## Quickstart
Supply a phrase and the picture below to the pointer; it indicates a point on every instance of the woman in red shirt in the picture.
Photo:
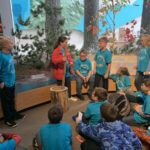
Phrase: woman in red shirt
(60, 56)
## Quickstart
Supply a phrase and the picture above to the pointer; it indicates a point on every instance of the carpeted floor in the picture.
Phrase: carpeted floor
(37, 116)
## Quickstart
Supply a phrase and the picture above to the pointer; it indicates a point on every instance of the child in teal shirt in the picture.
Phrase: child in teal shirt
(55, 135)
(102, 64)
(83, 70)
(92, 112)
(141, 113)
(122, 79)
(143, 61)
(7, 83)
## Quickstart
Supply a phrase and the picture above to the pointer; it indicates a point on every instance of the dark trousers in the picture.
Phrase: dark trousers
(100, 81)
(139, 80)
(7, 96)
(67, 84)
(89, 145)
(80, 83)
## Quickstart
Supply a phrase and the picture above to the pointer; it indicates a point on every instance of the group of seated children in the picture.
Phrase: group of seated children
(103, 125)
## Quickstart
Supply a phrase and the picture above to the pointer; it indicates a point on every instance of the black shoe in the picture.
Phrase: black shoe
(11, 124)
(81, 97)
(19, 116)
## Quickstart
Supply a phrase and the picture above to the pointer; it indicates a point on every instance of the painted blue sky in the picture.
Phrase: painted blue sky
(127, 14)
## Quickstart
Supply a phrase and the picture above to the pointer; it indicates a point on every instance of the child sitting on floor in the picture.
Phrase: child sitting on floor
(122, 79)
(92, 113)
(110, 134)
(141, 114)
(8, 141)
(55, 135)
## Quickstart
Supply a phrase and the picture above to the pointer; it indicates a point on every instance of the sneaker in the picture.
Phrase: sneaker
(11, 124)
(19, 116)
(73, 99)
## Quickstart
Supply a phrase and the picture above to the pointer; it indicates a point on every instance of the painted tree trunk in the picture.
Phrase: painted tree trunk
(53, 15)
(91, 8)
(145, 25)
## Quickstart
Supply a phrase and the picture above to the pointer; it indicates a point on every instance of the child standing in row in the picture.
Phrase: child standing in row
(143, 61)
(102, 64)
(7, 83)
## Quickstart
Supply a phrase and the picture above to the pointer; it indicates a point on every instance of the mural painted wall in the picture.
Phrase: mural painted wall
(20, 8)
(73, 12)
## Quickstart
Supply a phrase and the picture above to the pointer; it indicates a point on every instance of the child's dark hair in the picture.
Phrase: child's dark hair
(124, 71)
(109, 112)
(83, 51)
(61, 39)
(147, 82)
(101, 93)
(103, 39)
(55, 113)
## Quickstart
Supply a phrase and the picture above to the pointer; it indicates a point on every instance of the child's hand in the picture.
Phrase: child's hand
(138, 109)
(80, 139)
(93, 71)
(71, 71)
(122, 92)
(106, 76)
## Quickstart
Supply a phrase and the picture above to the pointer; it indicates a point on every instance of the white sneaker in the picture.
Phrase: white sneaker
(73, 99)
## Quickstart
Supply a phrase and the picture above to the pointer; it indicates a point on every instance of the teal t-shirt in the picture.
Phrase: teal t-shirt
(56, 136)
(7, 69)
(145, 109)
(93, 112)
(8, 145)
(84, 67)
(143, 59)
(122, 82)
(102, 59)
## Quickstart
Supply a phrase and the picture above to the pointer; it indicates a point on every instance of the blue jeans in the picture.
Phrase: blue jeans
(80, 82)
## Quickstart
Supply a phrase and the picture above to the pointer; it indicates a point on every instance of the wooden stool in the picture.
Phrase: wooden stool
(59, 94)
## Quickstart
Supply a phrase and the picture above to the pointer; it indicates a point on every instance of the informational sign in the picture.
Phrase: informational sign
(129, 61)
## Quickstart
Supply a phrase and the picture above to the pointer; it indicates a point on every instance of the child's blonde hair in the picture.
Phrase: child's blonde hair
(146, 39)
(4, 40)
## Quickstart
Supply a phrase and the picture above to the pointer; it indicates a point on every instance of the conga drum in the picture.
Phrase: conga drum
(59, 94)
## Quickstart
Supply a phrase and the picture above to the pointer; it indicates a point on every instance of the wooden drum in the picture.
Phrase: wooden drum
(59, 94)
